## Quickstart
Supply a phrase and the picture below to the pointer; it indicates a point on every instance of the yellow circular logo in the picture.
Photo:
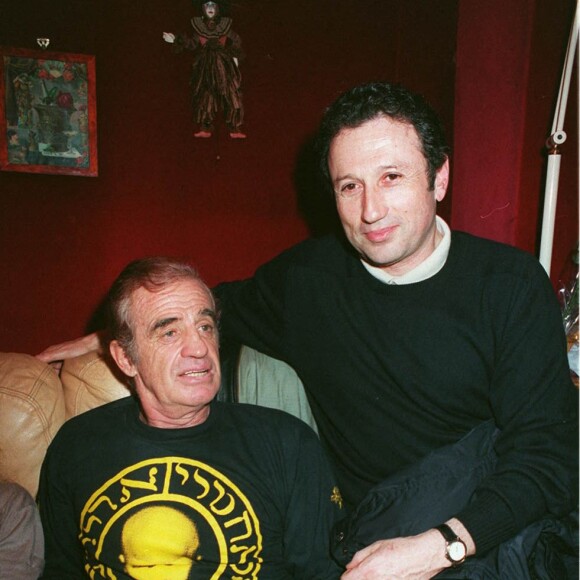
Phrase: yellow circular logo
(162, 517)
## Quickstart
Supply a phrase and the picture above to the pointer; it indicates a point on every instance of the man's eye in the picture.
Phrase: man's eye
(207, 328)
(391, 177)
(348, 189)
(169, 333)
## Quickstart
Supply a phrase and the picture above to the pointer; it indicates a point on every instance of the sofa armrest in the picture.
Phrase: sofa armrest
(91, 380)
(31, 412)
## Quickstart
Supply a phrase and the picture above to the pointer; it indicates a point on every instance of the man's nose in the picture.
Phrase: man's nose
(373, 205)
(194, 345)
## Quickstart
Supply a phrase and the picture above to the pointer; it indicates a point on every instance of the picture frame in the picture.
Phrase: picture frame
(48, 112)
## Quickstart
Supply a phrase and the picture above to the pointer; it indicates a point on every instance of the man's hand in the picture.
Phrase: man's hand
(57, 353)
(412, 558)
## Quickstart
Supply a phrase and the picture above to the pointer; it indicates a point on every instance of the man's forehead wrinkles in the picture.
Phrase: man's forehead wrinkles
(175, 301)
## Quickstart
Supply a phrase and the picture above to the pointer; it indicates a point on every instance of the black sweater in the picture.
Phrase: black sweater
(393, 372)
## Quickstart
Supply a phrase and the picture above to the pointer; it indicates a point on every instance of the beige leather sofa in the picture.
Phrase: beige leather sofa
(35, 401)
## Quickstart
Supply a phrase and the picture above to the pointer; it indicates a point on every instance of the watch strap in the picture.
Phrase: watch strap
(447, 533)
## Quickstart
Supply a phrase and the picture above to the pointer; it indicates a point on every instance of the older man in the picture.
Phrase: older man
(171, 484)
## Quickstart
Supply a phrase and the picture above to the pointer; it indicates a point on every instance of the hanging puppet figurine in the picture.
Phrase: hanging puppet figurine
(215, 74)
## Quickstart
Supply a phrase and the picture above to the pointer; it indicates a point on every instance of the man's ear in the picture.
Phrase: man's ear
(442, 181)
(123, 361)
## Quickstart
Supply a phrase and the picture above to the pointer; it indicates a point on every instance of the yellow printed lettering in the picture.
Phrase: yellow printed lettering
(203, 482)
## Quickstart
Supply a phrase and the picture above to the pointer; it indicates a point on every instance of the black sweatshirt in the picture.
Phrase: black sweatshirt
(393, 372)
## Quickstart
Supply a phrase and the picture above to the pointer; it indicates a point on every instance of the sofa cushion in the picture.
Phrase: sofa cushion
(31, 412)
(90, 380)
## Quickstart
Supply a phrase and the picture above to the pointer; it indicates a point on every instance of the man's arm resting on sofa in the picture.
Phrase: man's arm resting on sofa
(56, 353)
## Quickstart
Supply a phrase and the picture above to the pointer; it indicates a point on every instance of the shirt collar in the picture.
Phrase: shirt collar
(425, 269)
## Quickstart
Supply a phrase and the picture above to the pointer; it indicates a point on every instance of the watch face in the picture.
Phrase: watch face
(456, 551)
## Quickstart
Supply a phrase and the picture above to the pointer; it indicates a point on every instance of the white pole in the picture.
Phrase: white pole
(557, 137)
(549, 216)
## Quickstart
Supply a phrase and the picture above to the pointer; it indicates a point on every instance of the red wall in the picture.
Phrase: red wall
(225, 205)
(504, 108)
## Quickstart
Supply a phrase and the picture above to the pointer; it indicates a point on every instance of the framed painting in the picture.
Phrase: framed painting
(48, 112)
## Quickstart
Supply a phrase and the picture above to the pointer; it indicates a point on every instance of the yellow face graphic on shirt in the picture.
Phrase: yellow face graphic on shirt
(158, 543)
(162, 517)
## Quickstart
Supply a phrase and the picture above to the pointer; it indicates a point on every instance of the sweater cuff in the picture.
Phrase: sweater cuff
(489, 521)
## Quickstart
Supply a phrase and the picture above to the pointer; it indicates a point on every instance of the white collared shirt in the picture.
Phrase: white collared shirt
(426, 268)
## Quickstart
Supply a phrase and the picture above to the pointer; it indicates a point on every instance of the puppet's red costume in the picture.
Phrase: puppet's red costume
(215, 77)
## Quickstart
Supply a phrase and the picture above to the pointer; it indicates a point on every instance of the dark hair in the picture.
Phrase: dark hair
(153, 274)
(366, 102)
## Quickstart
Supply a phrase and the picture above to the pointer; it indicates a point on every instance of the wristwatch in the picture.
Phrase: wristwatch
(455, 549)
